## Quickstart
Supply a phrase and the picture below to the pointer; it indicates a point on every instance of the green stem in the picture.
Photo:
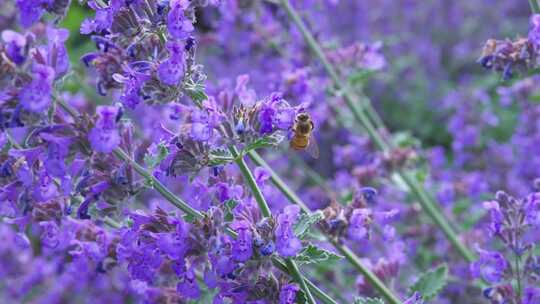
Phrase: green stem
(368, 275)
(252, 184)
(266, 212)
(297, 275)
(517, 261)
(321, 295)
(158, 186)
(347, 253)
(429, 205)
(112, 223)
(535, 7)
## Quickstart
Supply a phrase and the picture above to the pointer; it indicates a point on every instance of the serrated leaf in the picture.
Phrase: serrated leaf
(219, 157)
(152, 160)
(364, 300)
(313, 254)
(197, 93)
(263, 142)
(302, 226)
(431, 282)
(229, 206)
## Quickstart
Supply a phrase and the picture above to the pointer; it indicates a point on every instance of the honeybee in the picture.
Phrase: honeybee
(302, 138)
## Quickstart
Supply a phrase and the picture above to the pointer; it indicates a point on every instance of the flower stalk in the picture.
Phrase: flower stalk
(265, 210)
(535, 7)
(343, 249)
(425, 200)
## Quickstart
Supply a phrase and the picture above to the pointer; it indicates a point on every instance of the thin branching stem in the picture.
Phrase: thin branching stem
(266, 212)
(428, 204)
(343, 249)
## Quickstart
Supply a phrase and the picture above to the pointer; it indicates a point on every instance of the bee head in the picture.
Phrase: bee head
(302, 117)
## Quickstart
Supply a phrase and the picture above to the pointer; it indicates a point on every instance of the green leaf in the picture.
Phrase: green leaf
(219, 157)
(263, 142)
(189, 218)
(302, 226)
(360, 77)
(313, 254)
(197, 93)
(152, 160)
(405, 139)
(364, 300)
(300, 297)
(229, 206)
(431, 282)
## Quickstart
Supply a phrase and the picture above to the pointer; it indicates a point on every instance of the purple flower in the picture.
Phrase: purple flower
(49, 235)
(416, 298)
(188, 287)
(104, 137)
(57, 152)
(171, 70)
(242, 249)
(261, 175)
(287, 244)
(497, 217)
(246, 96)
(36, 95)
(201, 127)
(534, 32)
(178, 24)
(490, 266)
(15, 46)
(175, 245)
(45, 188)
(266, 119)
(58, 56)
(30, 11)
(359, 224)
(287, 294)
(103, 19)
(284, 118)
(531, 295)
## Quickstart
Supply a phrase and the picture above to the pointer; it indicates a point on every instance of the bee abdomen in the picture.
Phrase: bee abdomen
(299, 142)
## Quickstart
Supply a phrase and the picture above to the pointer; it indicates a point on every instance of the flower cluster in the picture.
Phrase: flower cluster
(164, 253)
(506, 56)
(355, 220)
(231, 118)
(145, 49)
(513, 271)
(31, 11)
(30, 64)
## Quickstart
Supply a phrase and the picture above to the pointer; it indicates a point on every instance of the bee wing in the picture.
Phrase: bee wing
(312, 147)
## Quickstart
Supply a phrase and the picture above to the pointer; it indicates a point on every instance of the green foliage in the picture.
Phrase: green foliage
(431, 282)
(314, 255)
(302, 226)
(367, 301)
(360, 77)
(153, 160)
(197, 93)
(263, 142)
(405, 139)
(229, 206)
(219, 157)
